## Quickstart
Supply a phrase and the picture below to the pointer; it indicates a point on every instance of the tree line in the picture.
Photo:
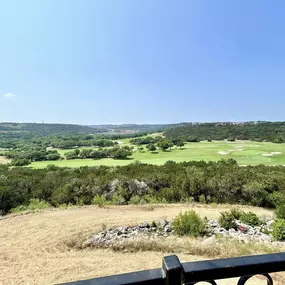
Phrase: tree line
(116, 152)
(256, 131)
(208, 182)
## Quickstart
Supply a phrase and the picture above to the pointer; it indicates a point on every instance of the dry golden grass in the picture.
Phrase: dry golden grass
(40, 248)
(4, 160)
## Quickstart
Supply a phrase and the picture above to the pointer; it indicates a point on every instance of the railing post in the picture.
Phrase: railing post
(172, 269)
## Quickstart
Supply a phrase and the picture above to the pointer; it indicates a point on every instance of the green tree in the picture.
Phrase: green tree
(151, 147)
(164, 145)
(180, 143)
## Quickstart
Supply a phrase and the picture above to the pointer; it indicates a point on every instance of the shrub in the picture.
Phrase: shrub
(202, 199)
(226, 220)
(250, 219)
(135, 200)
(280, 211)
(118, 199)
(18, 209)
(35, 204)
(236, 213)
(189, 223)
(279, 229)
(99, 200)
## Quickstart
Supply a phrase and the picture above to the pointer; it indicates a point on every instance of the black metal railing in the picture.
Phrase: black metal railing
(175, 273)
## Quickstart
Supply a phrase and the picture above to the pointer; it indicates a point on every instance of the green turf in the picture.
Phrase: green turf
(251, 154)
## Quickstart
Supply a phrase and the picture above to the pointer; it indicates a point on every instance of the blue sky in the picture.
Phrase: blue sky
(142, 61)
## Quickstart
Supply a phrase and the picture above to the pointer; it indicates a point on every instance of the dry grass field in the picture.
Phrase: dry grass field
(36, 248)
(4, 160)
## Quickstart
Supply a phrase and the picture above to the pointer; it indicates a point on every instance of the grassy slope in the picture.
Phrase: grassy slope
(34, 247)
(250, 154)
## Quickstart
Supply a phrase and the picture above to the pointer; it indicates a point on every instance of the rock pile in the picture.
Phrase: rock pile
(239, 231)
(242, 231)
(161, 228)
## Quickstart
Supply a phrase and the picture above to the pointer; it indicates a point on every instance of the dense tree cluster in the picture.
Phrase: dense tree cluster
(161, 142)
(219, 182)
(256, 131)
(26, 155)
(115, 152)
(143, 140)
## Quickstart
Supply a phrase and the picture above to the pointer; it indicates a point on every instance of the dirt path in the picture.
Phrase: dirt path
(33, 247)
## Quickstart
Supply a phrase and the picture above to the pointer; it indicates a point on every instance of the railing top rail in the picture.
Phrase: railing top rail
(173, 272)
(147, 277)
(233, 267)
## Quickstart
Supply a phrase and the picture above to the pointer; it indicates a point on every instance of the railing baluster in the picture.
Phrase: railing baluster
(172, 269)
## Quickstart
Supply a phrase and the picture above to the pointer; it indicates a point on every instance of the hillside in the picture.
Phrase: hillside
(39, 246)
(257, 131)
(46, 129)
(134, 128)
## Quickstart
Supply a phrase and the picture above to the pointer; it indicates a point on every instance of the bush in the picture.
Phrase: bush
(236, 213)
(118, 199)
(250, 219)
(226, 220)
(136, 200)
(280, 211)
(35, 204)
(279, 229)
(202, 199)
(189, 223)
(99, 200)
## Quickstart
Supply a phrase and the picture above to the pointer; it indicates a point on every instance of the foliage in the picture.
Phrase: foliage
(151, 147)
(280, 211)
(136, 200)
(250, 219)
(279, 229)
(20, 161)
(189, 223)
(226, 220)
(236, 213)
(99, 200)
(115, 152)
(220, 182)
(202, 199)
(164, 144)
(256, 131)
(35, 204)
(118, 199)
(278, 200)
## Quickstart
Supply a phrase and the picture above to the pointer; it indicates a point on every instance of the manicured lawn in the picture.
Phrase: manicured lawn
(246, 153)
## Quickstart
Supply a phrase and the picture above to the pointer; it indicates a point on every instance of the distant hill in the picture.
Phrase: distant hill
(258, 131)
(41, 129)
(47, 129)
(133, 128)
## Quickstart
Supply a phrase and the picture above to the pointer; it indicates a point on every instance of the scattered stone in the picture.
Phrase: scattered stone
(210, 240)
(163, 228)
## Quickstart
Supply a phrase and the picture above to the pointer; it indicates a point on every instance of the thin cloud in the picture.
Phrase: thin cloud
(9, 95)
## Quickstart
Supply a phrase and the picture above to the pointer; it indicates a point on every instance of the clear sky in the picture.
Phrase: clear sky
(142, 61)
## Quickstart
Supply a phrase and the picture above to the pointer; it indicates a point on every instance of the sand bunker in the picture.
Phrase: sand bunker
(223, 152)
(271, 153)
